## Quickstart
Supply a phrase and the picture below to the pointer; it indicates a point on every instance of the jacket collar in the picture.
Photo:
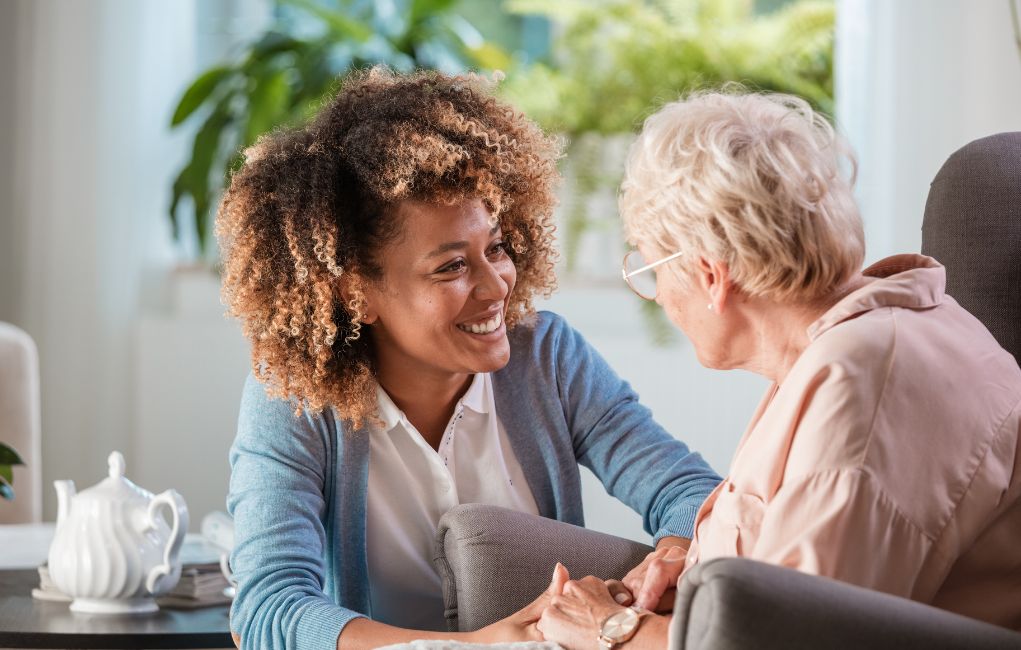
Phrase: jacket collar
(909, 281)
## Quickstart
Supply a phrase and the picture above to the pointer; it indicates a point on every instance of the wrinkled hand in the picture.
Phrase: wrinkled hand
(575, 618)
(521, 625)
(653, 583)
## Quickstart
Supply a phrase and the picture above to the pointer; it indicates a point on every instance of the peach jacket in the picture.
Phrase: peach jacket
(889, 457)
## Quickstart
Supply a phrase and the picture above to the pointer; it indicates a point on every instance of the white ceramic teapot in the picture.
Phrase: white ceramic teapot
(113, 551)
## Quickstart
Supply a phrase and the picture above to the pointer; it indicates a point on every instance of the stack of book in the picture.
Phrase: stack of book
(201, 585)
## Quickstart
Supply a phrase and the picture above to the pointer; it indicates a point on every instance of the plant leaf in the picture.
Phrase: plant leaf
(7, 473)
(335, 21)
(193, 180)
(198, 92)
(490, 56)
(267, 104)
(8, 456)
(421, 9)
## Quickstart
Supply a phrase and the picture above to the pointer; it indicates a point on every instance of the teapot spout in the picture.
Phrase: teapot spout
(65, 490)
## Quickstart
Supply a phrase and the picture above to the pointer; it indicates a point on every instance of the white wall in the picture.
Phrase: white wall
(916, 80)
(84, 252)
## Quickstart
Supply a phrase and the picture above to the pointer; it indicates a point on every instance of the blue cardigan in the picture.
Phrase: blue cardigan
(298, 484)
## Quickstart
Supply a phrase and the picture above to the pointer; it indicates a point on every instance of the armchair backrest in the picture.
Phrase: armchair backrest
(972, 226)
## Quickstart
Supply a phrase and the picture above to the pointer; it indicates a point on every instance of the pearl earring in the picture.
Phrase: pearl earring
(709, 306)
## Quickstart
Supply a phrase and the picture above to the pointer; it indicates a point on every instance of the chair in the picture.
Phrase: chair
(19, 423)
(972, 224)
(494, 561)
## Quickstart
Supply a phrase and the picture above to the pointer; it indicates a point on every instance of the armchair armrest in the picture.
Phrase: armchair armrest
(494, 561)
(739, 603)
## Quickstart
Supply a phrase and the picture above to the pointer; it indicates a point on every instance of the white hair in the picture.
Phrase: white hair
(753, 180)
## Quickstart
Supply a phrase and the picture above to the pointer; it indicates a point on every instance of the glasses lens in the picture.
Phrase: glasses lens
(644, 282)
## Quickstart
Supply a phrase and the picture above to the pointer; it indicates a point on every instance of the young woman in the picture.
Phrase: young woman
(383, 260)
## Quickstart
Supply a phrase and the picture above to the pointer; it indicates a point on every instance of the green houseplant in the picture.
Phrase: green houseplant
(282, 78)
(8, 459)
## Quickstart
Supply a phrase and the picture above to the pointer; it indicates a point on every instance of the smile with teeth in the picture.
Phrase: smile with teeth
(486, 327)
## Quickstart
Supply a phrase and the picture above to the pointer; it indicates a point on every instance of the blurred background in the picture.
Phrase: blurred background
(120, 120)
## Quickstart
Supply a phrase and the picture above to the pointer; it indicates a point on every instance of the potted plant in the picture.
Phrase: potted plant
(282, 77)
(8, 459)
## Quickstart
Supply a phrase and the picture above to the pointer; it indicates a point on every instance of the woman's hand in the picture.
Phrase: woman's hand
(653, 582)
(520, 626)
(574, 619)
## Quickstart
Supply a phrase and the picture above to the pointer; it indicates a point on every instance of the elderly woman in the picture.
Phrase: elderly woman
(886, 452)
(383, 260)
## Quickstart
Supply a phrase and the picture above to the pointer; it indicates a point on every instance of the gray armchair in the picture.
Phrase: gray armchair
(494, 562)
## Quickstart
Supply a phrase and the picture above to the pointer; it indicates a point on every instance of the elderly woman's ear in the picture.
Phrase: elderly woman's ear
(713, 276)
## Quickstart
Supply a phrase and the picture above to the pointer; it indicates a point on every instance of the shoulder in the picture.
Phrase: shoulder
(266, 422)
(859, 346)
(537, 329)
(833, 393)
(538, 340)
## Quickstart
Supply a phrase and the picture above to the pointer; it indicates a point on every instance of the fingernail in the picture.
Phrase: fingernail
(621, 598)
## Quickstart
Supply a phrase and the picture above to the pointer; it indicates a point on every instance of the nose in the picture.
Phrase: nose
(489, 282)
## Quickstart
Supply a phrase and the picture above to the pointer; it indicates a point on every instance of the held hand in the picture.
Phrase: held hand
(653, 582)
(520, 626)
(574, 619)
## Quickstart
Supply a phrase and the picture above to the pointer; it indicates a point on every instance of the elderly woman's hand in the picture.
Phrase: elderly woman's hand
(574, 619)
(653, 582)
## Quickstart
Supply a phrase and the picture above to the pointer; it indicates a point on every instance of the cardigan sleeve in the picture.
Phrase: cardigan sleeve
(278, 472)
(615, 436)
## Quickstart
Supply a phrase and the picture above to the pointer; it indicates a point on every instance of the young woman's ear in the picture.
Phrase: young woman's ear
(714, 278)
(344, 291)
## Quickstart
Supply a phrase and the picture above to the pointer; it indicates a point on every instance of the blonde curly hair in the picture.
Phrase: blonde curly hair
(315, 204)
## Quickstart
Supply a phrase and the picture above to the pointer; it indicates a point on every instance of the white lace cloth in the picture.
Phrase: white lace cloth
(453, 645)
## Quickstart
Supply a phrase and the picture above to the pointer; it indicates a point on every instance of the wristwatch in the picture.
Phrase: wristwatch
(620, 626)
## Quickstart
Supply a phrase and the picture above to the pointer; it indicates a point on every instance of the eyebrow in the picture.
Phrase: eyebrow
(455, 245)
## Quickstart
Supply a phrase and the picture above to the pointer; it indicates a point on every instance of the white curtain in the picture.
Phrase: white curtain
(90, 91)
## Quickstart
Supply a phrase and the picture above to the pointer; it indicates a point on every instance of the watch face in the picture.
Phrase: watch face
(621, 625)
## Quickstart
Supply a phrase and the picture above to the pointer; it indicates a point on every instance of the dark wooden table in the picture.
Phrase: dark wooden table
(29, 623)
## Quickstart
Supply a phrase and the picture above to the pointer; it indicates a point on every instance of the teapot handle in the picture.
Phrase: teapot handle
(179, 528)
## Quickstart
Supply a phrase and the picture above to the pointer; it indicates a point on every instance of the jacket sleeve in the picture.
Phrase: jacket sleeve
(615, 436)
(837, 523)
(278, 472)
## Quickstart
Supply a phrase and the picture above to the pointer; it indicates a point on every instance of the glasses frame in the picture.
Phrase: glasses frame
(648, 267)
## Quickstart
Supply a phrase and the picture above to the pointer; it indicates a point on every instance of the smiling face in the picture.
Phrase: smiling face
(437, 312)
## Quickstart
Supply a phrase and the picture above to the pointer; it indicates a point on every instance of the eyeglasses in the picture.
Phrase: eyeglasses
(633, 268)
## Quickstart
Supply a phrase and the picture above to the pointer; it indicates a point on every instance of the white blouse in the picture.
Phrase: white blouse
(411, 485)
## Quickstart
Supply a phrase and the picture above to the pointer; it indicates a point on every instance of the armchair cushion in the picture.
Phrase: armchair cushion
(740, 603)
(494, 561)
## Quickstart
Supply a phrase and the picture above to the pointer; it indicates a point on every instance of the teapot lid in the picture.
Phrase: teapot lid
(115, 487)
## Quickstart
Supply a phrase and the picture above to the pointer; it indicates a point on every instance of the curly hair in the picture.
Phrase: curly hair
(315, 204)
